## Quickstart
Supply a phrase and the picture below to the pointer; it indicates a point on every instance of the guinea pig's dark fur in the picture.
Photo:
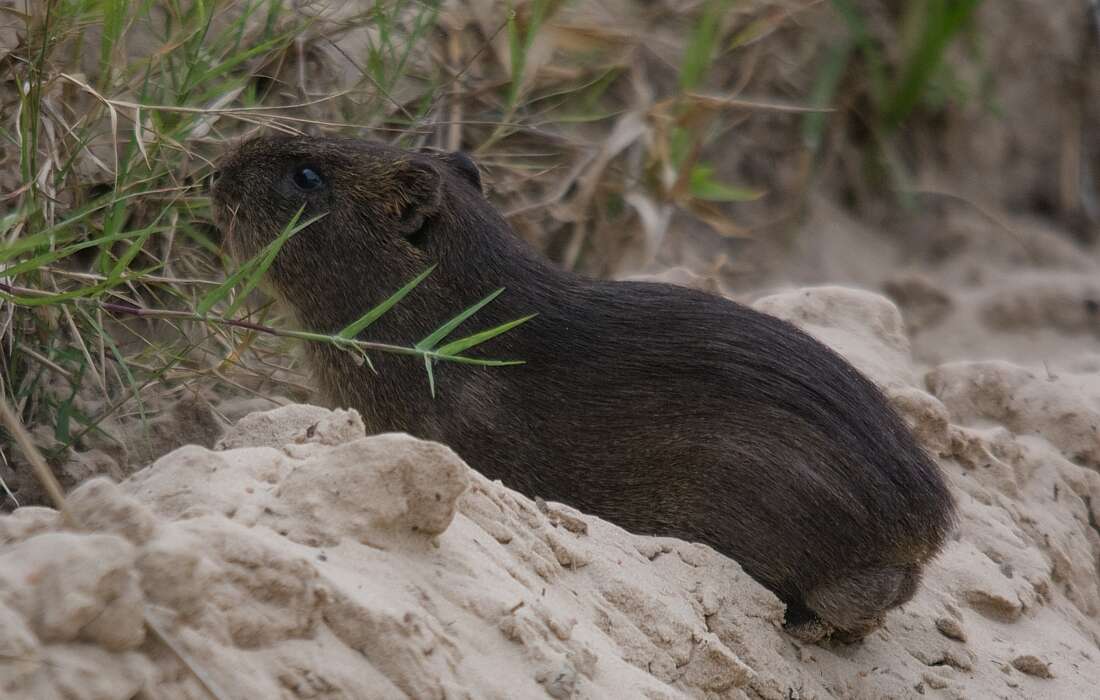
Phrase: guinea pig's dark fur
(662, 409)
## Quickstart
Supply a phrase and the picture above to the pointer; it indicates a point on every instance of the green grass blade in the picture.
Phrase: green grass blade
(431, 375)
(857, 29)
(7, 222)
(131, 381)
(268, 257)
(209, 75)
(478, 338)
(374, 314)
(463, 360)
(252, 270)
(518, 55)
(114, 20)
(942, 22)
(65, 411)
(49, 234)
(704, 186)
(700, 49)
(824, 90)
(221, 291)
(443, 331)
(49, 299)
(55, 255)
(123, 264)
(519, 45)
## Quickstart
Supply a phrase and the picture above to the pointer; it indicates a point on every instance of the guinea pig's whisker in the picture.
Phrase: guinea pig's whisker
(234, 210)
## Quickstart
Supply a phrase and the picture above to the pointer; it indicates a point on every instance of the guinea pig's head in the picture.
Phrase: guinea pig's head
(375, 201)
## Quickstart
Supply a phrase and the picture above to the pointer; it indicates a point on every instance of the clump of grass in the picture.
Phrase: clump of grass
(692, 182)
(109, 146)
(892, 90)
(635, 117)
(111, 275)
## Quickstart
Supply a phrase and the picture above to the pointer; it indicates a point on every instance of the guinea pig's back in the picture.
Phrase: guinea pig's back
(743, 422)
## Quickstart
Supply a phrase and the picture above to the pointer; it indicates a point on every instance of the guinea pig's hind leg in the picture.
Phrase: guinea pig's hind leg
(856, 605)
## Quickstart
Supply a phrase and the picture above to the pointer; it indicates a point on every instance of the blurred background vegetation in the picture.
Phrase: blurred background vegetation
(620, 137)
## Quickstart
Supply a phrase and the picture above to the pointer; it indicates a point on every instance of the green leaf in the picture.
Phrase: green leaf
(431, 376)
(705, 187)
(443, 331)
(478, 338)
(374, 314)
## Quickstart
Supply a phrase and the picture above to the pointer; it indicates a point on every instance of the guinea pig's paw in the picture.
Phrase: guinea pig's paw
(856, 634)
(806, 626)
(810, 631)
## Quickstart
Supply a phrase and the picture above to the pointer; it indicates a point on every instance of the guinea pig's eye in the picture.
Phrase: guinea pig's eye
(307, 179)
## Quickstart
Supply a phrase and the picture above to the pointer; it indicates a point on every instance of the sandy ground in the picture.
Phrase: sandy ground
(972, 285)
(303, 559)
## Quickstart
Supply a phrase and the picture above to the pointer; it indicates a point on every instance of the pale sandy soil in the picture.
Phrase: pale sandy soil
(302, 559)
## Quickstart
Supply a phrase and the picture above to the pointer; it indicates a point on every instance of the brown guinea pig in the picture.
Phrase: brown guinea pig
(664, 410)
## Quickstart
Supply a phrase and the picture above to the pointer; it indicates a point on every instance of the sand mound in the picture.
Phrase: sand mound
(304, 559)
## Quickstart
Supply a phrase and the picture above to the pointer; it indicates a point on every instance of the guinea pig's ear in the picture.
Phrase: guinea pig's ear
(466, 167)
(417, 194)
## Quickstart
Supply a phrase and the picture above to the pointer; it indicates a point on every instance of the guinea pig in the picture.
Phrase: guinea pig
(665, 410)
